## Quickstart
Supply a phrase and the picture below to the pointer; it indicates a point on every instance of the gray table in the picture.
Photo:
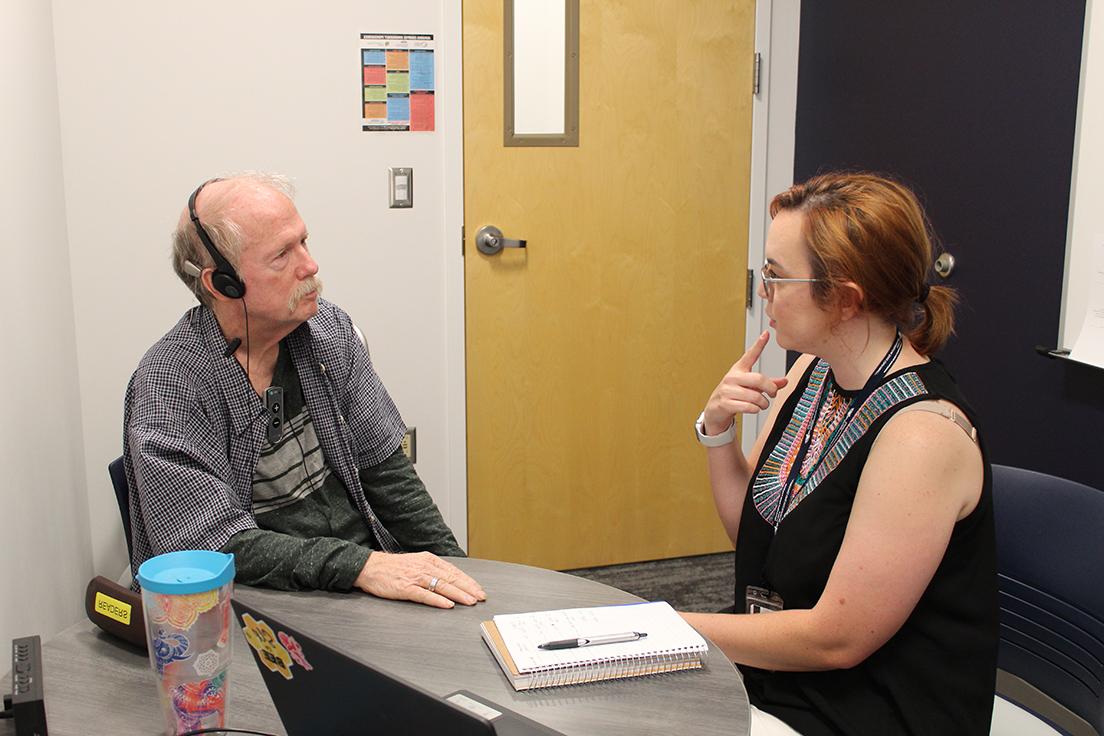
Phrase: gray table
(97, 685)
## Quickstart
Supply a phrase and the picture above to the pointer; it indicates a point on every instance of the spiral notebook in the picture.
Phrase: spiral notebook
(668, 644)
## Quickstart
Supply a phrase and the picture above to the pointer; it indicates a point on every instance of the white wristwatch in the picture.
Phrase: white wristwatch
(715, 440)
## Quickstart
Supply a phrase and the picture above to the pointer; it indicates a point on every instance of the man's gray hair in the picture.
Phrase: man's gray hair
(188, 250)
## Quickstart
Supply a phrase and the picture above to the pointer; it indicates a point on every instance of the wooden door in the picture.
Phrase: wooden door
(590, 352)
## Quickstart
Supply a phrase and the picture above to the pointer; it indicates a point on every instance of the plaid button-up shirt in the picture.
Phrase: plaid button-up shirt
(193, 428)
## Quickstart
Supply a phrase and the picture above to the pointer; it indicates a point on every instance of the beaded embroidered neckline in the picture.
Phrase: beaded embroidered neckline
(829, 441)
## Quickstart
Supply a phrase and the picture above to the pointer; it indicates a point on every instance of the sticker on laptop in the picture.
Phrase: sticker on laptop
(474, 706)
(294, 649)
(272, 653)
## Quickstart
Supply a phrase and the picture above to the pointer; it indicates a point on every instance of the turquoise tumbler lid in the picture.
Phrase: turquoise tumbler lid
(190, 571)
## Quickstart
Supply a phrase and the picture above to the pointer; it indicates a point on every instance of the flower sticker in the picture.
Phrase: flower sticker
(295, 650)
(168, 648)
(207, 664)
(193, 702)
(271, 652)
(181, 611)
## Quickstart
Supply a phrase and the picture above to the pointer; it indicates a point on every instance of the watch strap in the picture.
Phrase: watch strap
(715, 440)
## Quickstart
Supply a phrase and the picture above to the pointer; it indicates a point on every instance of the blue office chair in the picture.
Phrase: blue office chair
(122, 495)
(1050, 562)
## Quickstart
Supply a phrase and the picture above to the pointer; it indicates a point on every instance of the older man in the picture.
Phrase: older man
(257, 425)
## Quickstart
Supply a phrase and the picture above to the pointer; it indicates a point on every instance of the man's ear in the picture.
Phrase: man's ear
(850, 299)
(209, 285)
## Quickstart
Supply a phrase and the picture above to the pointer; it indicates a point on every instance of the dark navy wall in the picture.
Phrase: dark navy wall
(974, 105)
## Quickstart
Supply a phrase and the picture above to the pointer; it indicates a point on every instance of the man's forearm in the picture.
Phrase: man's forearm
(401, 501)
(272, 560)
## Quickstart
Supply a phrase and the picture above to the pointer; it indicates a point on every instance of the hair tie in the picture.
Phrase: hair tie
(924, 291)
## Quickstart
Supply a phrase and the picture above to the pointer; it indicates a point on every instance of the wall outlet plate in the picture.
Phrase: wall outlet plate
(410, 444)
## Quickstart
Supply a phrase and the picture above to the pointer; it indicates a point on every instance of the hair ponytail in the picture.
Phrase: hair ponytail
(871, 230)
(935, 323)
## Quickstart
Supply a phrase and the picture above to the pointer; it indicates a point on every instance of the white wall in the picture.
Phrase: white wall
(156, 97)
(45, 563)
(1086, 224)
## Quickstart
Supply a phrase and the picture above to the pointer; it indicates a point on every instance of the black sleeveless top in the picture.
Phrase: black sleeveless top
(936, 675)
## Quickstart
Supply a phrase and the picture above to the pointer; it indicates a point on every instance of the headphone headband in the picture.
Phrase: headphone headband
(225, 278)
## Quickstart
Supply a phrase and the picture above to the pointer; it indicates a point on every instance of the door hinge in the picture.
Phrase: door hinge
(462, 237)
(750, 288)
(757, 73)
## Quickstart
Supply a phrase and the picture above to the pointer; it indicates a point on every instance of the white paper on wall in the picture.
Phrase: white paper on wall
(1089, 347)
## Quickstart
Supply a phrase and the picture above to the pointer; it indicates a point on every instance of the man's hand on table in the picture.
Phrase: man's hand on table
(421, 577)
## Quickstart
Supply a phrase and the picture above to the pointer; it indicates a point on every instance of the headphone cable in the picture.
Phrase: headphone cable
(303, 456)
(247, 350)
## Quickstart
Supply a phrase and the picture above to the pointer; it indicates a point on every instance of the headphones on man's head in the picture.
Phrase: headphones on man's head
(225, 279)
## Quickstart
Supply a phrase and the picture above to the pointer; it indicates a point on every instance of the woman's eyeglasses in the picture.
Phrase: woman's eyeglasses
(769, 280)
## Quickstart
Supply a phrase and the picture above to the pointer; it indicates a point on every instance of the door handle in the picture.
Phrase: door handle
(489, 241)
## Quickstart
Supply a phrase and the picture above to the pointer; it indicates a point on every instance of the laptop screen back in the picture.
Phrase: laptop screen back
(317, 689)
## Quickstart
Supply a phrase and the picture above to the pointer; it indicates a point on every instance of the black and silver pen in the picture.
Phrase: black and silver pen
(591, 641)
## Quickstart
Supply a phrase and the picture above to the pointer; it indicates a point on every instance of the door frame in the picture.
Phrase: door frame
(773, 115)
(777, 23)
(455, 369)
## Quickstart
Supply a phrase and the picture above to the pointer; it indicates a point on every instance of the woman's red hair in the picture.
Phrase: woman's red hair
(871, 230)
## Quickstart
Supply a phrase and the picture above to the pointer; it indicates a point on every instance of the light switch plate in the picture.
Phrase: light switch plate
(402, 186)
(410, 445)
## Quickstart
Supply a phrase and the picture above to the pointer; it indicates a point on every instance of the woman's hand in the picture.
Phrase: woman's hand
(741, 391)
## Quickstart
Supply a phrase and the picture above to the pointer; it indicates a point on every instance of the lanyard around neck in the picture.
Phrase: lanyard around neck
(855, 404)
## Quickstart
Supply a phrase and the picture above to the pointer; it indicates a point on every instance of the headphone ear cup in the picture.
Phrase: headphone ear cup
(228, 285)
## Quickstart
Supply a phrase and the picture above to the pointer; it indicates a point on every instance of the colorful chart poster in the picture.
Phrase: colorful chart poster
(397, 81)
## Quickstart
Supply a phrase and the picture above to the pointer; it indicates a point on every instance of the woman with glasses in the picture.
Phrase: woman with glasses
(862, 518)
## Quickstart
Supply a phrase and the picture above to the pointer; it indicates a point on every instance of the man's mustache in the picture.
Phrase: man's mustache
(312, 283)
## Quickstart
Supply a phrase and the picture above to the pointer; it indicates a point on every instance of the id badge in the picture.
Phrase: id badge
(761, 600)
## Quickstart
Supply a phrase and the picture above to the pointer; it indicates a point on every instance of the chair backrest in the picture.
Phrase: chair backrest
(122, 495)
(1050, 560)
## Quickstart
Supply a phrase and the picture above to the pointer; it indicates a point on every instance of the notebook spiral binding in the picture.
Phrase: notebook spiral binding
(615, 668)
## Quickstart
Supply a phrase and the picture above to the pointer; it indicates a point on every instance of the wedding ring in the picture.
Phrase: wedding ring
(433, 585)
